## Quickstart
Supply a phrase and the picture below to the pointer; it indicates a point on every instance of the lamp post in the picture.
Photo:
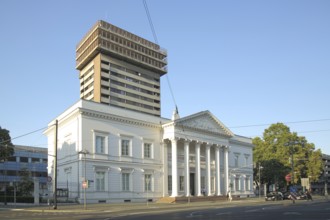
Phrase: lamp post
(15, 188)
(84, 152)
(260, 167)
(290, 144)
(55, 166)
(148, 181)
(325, 180)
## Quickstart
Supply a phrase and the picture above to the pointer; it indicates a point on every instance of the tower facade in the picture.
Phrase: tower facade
(120, 69)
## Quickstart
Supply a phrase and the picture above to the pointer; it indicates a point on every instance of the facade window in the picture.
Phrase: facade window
(99, 144)
(236, 160)
(13, 159)
(147, 182)
(246, 160)
(170, 182)
(100, 181)
(35, 160)
(247, 183)
(181, 183)
(24, 159)
(125, 147)
(237, 188)
(125, 181)
(147, 150)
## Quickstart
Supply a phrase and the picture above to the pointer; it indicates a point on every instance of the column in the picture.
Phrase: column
(36, 190)
(243, 184)
(186, 168)
(174, 168)
(165, 169)
(226, 169)
(217, 171)
(208, 169)
(198, 169)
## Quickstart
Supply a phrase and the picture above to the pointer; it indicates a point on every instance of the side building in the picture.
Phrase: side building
(31, 159)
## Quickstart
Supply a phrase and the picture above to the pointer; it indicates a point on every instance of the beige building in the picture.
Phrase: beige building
(120, 69)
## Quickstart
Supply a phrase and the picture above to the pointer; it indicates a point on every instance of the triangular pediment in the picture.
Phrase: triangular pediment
(204, 121)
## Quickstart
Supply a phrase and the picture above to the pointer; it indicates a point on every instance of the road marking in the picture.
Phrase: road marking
(224, 213)
(291, 213)
(193, 215)
(253, 210)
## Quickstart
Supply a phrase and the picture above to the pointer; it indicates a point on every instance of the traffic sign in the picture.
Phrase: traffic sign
(49, 179)
(293, 189)
(288, 177)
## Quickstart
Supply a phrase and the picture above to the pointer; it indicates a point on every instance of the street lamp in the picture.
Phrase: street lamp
(325, 180)
(260, 167)
(291, 150)
(147, 182)
(84, 152)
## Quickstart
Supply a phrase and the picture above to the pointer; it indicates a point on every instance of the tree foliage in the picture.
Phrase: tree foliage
(273, 151)
(25, 185)
(6, 147)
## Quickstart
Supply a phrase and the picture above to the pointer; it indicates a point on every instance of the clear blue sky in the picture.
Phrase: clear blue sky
(249, 62)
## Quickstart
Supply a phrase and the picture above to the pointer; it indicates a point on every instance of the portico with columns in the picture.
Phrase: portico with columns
(197, 157)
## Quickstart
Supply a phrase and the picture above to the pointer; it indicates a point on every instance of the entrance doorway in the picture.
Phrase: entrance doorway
(192, 184)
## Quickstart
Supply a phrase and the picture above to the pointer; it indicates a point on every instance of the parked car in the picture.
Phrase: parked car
(274, 196)
(296, 196)
(286, 195)
(301, 196)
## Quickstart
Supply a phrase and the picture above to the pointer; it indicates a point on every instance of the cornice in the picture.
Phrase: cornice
(245, 143)
(120, 119)
(201, 130)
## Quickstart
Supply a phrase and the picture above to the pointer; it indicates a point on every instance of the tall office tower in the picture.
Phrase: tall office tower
(121, 69)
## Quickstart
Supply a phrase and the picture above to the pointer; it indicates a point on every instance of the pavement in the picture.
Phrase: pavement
(134, 208)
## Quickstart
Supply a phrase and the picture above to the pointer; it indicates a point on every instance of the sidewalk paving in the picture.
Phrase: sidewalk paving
(118, 208)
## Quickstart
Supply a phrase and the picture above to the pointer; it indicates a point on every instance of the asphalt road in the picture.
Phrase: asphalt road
(300, 211)
(283, 210)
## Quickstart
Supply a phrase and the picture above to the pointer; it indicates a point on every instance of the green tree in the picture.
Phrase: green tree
(276, 149)
(25, 185)
(6, 147)
(271, 171)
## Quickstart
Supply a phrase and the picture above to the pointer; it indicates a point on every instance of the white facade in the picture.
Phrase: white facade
(131, 156)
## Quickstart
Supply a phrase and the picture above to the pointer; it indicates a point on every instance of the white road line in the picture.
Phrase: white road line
(291, 213)
(224, 213)
(193, 215)
(254, 210)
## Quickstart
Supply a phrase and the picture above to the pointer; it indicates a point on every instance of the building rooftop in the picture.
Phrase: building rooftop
(106, 38)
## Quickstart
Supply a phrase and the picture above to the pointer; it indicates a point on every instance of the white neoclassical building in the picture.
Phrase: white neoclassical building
(131, 156)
